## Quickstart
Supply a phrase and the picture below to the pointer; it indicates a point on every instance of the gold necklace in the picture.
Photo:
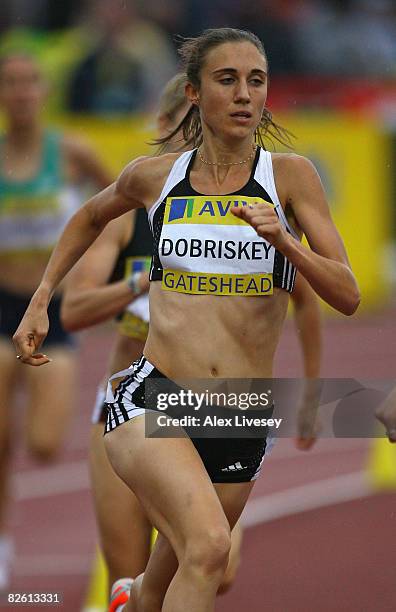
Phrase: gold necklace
(244, 161)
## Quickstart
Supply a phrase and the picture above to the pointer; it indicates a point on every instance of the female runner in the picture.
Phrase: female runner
(216, 309)
(99, 287)
(41, 171)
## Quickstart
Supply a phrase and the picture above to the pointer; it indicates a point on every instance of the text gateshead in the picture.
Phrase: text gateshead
(201, 283)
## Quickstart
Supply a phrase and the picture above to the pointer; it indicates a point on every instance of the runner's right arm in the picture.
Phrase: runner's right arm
(80, 232)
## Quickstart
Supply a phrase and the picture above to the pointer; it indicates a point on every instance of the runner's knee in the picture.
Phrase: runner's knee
(208, 553)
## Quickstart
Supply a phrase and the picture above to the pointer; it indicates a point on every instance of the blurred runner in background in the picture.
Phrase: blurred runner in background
(41, 172)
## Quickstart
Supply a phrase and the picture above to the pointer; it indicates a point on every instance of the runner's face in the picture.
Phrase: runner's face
(22, 90)
(233, 89)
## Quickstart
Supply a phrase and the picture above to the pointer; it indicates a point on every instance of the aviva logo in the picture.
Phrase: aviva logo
(207, 210)
(136, 264)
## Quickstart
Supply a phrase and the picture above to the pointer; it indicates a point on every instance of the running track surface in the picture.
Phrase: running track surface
(317, 538)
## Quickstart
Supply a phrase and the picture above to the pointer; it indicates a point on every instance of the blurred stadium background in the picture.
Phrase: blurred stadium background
(333, 84)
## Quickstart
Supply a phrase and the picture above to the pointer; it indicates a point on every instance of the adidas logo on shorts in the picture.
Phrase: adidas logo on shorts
(234, 467)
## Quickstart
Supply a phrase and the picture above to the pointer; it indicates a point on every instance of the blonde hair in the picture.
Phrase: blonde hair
(173, 97)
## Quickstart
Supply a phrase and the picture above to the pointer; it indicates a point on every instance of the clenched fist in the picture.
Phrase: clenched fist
(263, 218)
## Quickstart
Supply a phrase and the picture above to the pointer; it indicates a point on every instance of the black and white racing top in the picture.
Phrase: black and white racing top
(200, 247)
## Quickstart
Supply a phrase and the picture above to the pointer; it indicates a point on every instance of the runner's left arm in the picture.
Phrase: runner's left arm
(325, 264)
(307, 321)
(308, 325)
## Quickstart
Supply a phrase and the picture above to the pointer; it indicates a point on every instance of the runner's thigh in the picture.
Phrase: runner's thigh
(170, 480)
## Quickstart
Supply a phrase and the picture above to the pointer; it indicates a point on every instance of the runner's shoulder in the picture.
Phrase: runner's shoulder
(292, 165)
(146, 175)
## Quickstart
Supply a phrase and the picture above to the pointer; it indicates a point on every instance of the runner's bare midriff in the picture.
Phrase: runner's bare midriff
(203, 336)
